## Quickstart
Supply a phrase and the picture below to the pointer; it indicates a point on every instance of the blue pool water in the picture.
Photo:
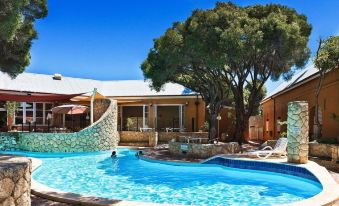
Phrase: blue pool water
(128, 178)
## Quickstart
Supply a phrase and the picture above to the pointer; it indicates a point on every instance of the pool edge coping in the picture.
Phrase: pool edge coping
(328, 196)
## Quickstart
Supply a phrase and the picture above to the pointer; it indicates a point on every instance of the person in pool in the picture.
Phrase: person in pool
(139, 153)
(114, 154)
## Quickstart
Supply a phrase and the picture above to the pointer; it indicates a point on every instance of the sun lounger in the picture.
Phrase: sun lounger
(278, 150)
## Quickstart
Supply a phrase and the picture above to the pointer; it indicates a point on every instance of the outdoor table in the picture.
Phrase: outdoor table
(146, 129)
(170, 129)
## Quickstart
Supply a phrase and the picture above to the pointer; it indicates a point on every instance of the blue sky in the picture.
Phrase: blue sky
(109, 39)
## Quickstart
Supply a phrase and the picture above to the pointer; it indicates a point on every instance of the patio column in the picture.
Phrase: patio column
(92, 105)
(24, 112)
(155, 111)
(297, 132)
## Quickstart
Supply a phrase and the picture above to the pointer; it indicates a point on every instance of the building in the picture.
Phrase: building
(139, 107)
(302, 87)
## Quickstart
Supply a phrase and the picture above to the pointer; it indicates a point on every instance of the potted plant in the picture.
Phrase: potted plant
(204, 127)
(11, 108)
(129, 123)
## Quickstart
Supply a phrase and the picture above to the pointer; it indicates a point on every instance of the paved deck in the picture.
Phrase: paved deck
(336, 178)
(38, 201)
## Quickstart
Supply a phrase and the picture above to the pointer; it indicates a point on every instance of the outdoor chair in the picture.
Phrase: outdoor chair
(278, 150)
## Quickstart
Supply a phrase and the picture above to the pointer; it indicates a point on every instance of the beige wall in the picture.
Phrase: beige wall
(276, 107)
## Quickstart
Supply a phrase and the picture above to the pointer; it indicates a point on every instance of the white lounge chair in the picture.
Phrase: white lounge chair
(278, 150)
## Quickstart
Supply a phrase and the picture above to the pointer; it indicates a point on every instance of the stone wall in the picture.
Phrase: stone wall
(151, 139)
(203, 150)
(8, 141)
(140, 139)
(102, 135)
(324, 150)
(100, 107)
(297, 132)
(165, 137)
(15, 181)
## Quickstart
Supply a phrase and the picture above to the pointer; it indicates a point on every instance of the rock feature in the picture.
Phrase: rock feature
(102, 135)
(297, 132)
(8, 140)
(202, 150)
(15, 181)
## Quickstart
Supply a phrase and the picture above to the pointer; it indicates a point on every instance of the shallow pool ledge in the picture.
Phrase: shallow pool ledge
(46, 192)
(328, 196)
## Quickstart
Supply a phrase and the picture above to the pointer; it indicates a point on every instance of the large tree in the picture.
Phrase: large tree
(257, 43)
(17, 31)
(327, 59)
(173, 60)
(240, 45)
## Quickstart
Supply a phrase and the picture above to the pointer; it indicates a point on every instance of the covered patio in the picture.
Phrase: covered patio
(44, 112)
(149, 117)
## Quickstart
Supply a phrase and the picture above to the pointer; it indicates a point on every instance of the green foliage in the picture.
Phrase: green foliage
(328, 54)
(129, 123)
(327, 59)
(11, 107)
(17, 32)
(283, 134)
(221, 50)
(206, 126)
(335, 117)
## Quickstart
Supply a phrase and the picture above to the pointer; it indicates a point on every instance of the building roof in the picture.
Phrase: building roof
(42, 83)
(297, 80)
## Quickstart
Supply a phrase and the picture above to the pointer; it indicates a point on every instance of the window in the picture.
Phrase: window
(30, 112)
(47, 109)
(19, 114)
(3, 114)
(39, 113)
(33, 112)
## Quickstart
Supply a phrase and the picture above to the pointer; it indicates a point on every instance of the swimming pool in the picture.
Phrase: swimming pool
(129, 178)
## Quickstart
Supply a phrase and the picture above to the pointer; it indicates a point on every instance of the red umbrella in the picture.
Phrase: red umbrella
(70, 109)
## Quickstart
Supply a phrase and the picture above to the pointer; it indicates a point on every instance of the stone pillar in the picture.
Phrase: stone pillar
(15, 181)
(297, 132)
(153, 139)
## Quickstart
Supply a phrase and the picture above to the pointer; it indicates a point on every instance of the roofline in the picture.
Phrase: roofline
(155, 96)
(24, 91)
(308, 79)
(90, 79)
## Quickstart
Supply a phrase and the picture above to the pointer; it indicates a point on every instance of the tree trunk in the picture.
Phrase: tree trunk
(239, 124)
(243, 112)
(318, 133)
(213, 111)
(239, 115)
(212, 116)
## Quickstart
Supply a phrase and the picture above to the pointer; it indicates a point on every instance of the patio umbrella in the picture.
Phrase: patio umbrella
(70, 109)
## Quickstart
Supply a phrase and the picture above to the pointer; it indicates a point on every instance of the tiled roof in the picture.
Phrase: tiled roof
(43, 83)
(296, 79)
